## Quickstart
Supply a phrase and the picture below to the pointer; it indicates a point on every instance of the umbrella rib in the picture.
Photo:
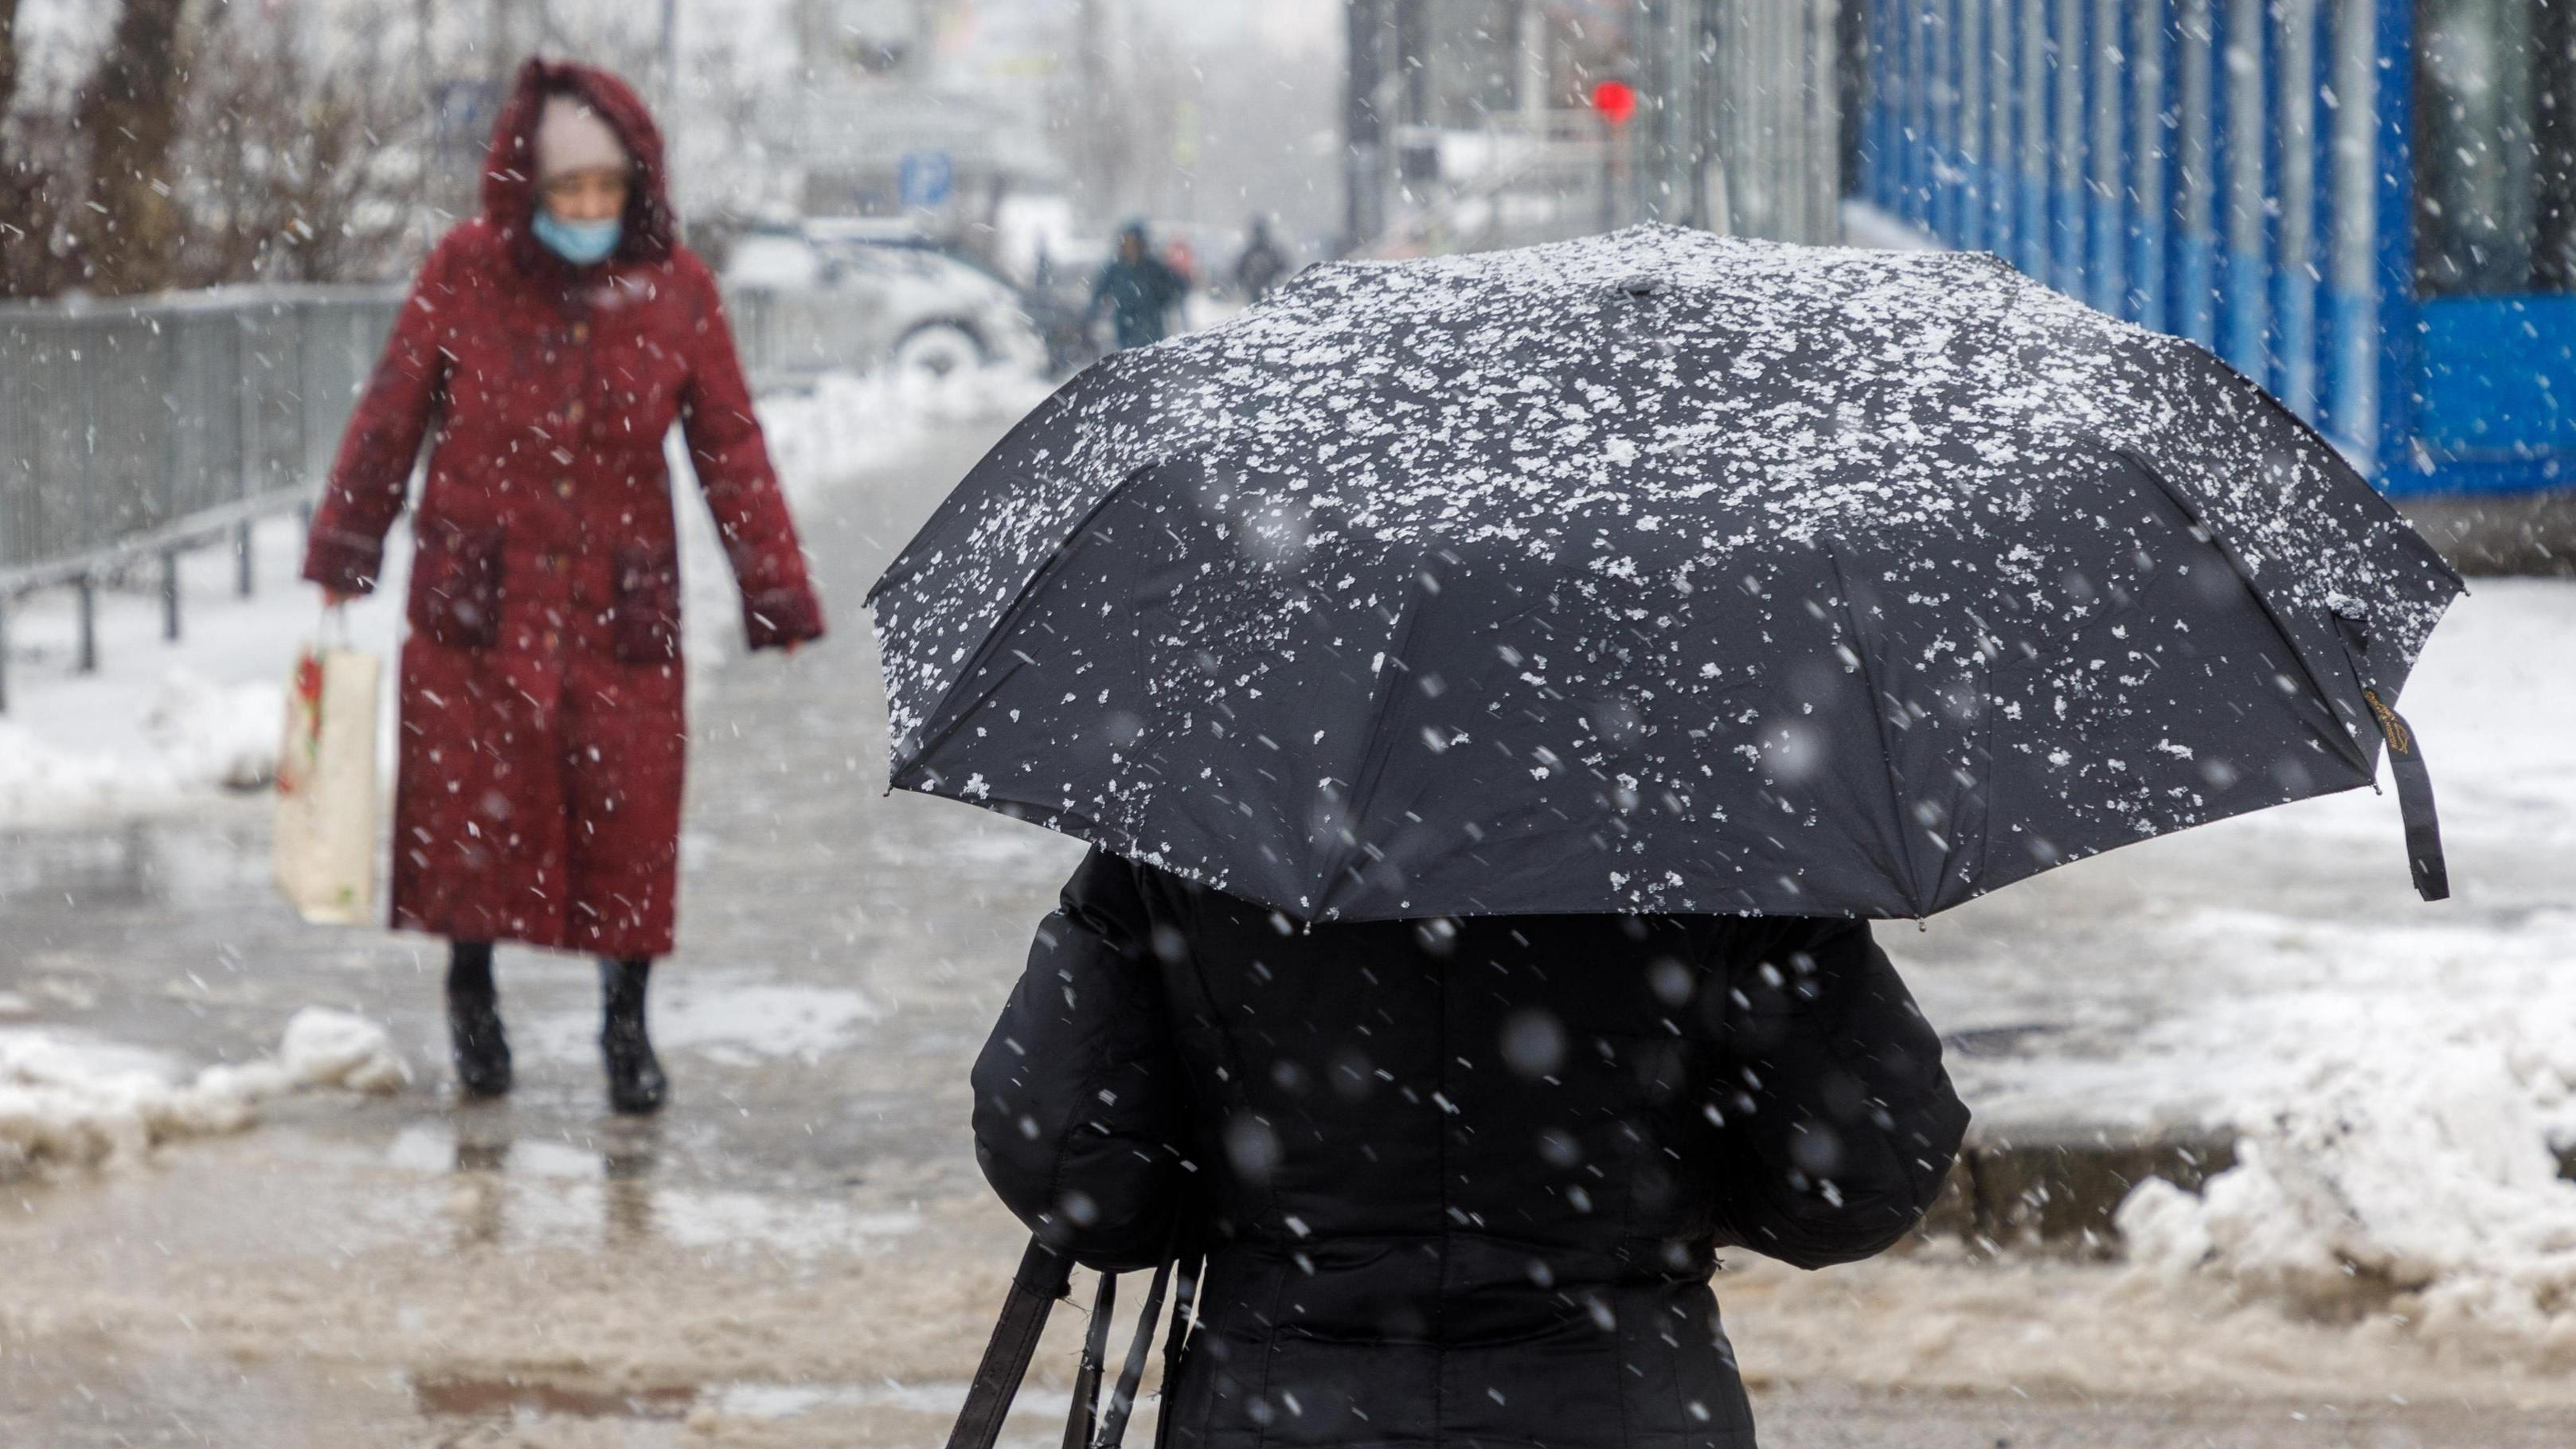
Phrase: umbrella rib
(907, 564)
(1373, 763)
(1878, 720)
(2356, 753)
(932, 740)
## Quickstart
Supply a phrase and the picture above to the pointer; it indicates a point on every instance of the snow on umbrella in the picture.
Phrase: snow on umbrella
(1654, 572)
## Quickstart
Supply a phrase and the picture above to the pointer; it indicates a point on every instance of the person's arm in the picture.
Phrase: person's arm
(344, 550)
(1075, 1092)
(731, 459)
(1845, 1125)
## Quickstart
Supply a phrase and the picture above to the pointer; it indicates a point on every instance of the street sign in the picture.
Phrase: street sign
(924, 179)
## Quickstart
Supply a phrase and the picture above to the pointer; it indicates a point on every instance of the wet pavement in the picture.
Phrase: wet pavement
(798, 1251)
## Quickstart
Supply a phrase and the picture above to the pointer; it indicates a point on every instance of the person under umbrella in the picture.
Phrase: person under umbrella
(1499, 691)
(1489, 1160)
(546, 348)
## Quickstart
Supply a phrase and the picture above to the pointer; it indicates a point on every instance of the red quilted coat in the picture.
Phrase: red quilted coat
(543, 729)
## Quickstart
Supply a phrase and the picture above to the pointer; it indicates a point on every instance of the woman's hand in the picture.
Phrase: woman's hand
(334, 599)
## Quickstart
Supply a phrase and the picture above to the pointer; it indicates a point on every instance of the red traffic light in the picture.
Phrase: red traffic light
(1616, 101)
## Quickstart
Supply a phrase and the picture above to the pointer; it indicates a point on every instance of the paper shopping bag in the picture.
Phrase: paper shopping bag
(326, 788)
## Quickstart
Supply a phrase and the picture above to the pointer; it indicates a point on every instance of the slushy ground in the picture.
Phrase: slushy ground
(799, 1251)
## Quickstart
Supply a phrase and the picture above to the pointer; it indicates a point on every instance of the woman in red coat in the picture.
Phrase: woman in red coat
(545, 351)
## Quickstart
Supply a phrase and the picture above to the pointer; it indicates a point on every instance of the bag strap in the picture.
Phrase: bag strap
(1184, 1308)
(1122, 1400)
(1079, 1424)
(1043, 1277)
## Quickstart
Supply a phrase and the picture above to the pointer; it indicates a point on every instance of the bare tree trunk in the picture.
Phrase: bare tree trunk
(8, 56)
(34, 179)
(129, 115)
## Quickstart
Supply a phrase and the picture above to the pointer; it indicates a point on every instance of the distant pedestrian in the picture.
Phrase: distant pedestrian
(1456, 1181)
(1263, 265)
(546, 349)
(1138, 290)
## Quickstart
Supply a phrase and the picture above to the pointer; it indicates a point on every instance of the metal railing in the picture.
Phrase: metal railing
(132, 431)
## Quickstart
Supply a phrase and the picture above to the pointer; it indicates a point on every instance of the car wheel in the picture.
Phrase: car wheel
(937, 351)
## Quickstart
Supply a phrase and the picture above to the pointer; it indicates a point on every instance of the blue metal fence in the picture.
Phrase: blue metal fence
(2243, 173)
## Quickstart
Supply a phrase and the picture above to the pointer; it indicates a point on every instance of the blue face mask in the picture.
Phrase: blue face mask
(581, 243)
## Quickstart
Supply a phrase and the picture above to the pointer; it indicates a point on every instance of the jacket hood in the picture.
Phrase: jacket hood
(510, 165)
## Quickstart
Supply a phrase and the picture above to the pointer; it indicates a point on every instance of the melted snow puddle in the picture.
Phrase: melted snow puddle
(704, 1405)
(733, 1019)
(525, 1194)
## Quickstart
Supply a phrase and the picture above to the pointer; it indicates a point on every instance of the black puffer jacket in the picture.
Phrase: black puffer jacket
(1460, 1183)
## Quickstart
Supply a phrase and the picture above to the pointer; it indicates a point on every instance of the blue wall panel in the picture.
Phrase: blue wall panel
(2237, 249)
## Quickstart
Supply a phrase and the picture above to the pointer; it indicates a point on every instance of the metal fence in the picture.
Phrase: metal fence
(120, 425)
(131, 431)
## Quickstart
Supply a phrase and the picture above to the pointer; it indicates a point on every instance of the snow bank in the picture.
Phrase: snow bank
(41, 781)
(849, 423)
(69, 1101)
(2399, 1148)
(195, 733)
(213, 734)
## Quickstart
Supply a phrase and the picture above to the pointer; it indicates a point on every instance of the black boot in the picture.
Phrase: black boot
(635, 1081)
(474, 1021)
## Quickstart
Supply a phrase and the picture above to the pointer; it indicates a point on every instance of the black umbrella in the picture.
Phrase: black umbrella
(1655, 572)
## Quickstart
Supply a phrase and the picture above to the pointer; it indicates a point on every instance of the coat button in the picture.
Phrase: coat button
(554, 641)
(581, 332)
(572, 413)
(563, 487)
(552, 563)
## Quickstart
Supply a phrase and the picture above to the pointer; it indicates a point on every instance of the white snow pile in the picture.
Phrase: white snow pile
(65, 1101)
(196, 733)
(848, 422)
(2399, 1152)
(215, 734)
(37, 779)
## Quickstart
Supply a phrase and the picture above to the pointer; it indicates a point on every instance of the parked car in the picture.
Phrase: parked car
(835, 294)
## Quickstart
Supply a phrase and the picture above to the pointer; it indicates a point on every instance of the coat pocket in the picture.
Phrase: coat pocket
(456, 592)
(647, 612)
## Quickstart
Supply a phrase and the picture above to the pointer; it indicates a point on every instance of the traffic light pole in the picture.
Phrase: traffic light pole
(1367, 142)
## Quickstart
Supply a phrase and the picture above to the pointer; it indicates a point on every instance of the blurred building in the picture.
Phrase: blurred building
(1480, 123)
(932, 110)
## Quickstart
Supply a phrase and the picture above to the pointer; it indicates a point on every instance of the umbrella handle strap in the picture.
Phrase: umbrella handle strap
(2414, 800)
(2405, 762)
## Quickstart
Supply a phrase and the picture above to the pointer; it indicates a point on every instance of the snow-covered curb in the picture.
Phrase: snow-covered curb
(67, 1102)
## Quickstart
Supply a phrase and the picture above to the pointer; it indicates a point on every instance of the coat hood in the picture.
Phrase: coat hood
(510, 165)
